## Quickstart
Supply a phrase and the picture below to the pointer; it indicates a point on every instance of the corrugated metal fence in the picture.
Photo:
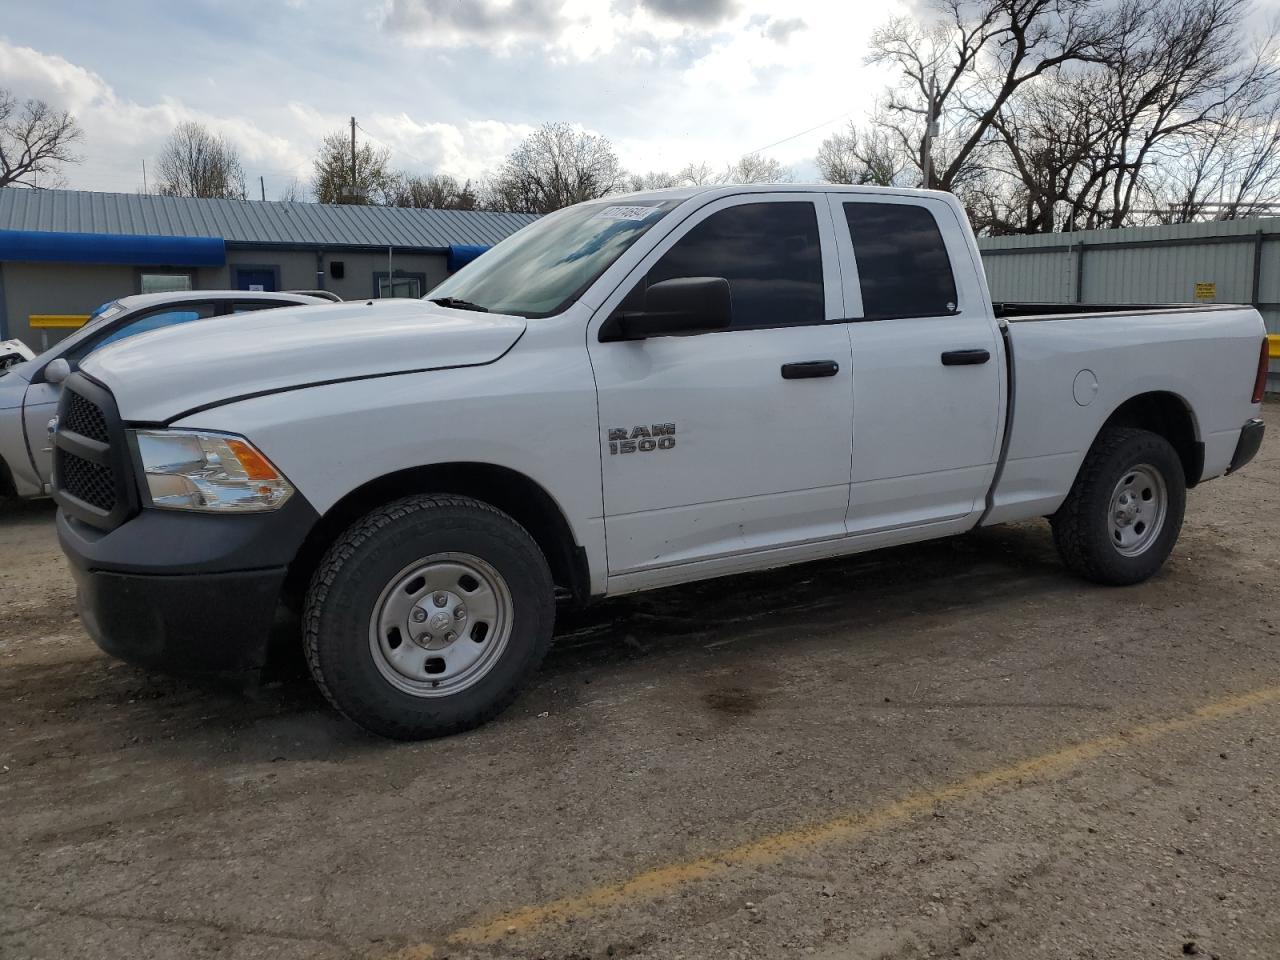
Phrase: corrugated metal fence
(1236, 261)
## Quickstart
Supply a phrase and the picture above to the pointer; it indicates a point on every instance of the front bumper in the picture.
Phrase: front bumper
(1248, 444)
(185, 593)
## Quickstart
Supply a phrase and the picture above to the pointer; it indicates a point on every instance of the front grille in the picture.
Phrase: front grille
(92, 466)
(88, 481)
(85, 418)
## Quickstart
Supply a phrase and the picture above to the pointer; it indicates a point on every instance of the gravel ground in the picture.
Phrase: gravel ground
(951, 750)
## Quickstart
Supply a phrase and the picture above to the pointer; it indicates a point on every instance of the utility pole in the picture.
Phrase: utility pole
(144, 177)
(263, 184)
(354, 189)
(930, 131)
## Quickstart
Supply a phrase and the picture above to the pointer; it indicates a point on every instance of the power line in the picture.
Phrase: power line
(817, 126)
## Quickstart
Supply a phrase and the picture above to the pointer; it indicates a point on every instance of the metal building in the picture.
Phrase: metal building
(1230, 261)
(64, 252)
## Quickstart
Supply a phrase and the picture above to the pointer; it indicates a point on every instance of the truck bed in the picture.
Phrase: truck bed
(1015, 311)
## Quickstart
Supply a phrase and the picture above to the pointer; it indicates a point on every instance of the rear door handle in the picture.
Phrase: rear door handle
(964, 358)
(808, 369)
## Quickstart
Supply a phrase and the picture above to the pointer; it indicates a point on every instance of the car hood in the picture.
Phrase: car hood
(160, 375)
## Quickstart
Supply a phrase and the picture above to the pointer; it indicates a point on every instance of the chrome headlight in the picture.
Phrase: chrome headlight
(208, 472)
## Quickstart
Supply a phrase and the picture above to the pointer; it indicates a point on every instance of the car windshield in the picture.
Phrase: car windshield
(540, 270)
(108, 311)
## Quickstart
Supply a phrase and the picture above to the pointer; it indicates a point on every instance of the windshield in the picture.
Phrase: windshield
(543, 268)
(108, 311)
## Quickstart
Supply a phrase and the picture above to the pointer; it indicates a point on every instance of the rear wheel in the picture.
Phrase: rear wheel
(427, 616)
(1124, 513)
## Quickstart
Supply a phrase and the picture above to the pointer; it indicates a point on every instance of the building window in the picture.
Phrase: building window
(400, 285)
(164, 282)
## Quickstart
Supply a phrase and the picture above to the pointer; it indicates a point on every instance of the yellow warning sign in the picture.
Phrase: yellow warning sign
(1206, 291)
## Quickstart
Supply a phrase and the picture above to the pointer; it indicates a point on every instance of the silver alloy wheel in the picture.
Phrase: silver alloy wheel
(441, 624)
(1138, 507)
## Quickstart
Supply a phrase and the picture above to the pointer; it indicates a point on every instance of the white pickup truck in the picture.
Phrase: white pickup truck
(628, 393)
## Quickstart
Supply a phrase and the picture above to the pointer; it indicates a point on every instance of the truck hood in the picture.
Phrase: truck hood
(159, 375)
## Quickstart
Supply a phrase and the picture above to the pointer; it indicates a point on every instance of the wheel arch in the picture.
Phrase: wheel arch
(7, 487)
(512, 492)
(1170, 416)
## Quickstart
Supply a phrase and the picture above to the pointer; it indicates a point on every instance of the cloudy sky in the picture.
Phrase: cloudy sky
(447, 85)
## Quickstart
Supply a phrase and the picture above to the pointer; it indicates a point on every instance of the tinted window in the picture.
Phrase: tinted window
(902, 263)
(770, 254)
(251, 306)
(155, 319)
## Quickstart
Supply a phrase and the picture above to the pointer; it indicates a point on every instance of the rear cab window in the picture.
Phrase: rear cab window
(903, 267)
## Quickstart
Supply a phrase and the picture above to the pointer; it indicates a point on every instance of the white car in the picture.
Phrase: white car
(625, 394)
(13, 352)
(30, 387)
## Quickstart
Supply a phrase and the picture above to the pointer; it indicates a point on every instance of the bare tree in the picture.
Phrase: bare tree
(1229, 172)
(1079, 114)
(963, 66)
(557, 165)
(435, 191)
(295, 191)
(864, 157)
(753, 168)
(696, 175)
(35, 142)
(339, 177)
(197, 163)
(653, 180)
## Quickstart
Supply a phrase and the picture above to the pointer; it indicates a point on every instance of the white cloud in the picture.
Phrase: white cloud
(452, 85)
(465, 150)
(121, 133)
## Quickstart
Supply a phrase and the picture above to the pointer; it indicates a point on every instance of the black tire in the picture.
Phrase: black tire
(1082, 527)
(367, 558)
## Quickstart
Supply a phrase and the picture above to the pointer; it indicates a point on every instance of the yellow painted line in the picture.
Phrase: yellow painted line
(1273, 345)
(64, 320)
(841, 829)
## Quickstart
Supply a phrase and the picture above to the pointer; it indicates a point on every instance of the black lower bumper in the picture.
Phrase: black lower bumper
(214, 623)
(184, 592)
(1248, 444)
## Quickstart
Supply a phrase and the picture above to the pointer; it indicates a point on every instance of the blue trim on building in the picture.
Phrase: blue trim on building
(460, 254)
(41, 246)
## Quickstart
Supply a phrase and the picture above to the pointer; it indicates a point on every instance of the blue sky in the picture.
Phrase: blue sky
(447, 85)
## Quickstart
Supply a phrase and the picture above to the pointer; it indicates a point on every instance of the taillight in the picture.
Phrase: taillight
(1264, 364)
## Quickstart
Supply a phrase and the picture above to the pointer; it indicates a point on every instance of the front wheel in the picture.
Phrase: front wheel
(1123, 515)
(427, 616)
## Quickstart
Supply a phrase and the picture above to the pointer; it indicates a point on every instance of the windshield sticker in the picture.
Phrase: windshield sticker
(625, 213)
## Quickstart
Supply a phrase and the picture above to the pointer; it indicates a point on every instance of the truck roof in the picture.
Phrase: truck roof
(736, 189)
(136, 300)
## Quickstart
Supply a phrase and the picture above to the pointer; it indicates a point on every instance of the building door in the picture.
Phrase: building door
(256, 278)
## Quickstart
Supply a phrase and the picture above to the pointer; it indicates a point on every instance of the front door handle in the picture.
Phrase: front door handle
(964, 358)
(808, 369)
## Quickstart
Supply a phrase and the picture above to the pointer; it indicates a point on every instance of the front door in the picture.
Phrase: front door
(928, 371)
(718, 444)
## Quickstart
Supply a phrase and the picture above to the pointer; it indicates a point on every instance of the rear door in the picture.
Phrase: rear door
(928, 375)
(716, 445)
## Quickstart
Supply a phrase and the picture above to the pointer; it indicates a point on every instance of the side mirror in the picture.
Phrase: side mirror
(57, 370)
(674, 308)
